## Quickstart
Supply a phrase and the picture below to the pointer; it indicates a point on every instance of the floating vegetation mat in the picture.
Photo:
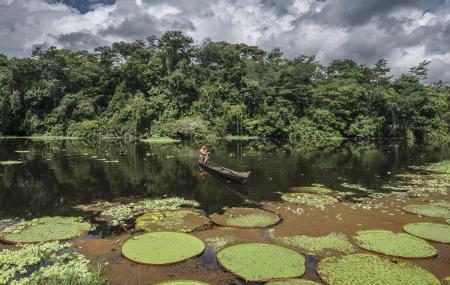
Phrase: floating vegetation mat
(219, 242)
(17, 267)
(428, 210)
(429, 231)
(394, 244)
(44, 229)
(311, 189)
(358, 187)
(362, 269)
(420, 185)
(440, 167)
(293, 282)
(160, 248)
(182, 282)
(177, 220)
(246, 218)
(446, 281)
(309, 199)
(10, 162)
(261, 262)
(118, 214)
(21, 151)
(313, 245)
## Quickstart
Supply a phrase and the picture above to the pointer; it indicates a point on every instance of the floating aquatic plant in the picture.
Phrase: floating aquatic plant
(183, 282)
(21, 151)
(261, 262)
(10, 162)
(246, 218)
(447, 221)
(429, 231)
(219, 242)
(159, 248)
(331, 242)
(394, 244)
(446, 281)
(428, 210)
(442, 167)
(358, 187)
(293, 282)
(311, 189)
(177, 220)
(45, 229)
(362, 269)
(313, 200)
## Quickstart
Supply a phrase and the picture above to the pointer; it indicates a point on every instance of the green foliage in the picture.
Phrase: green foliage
(428, 210)
(170, 86)
(429, 231)
(293, 282)
(10, 162)
(246, 218)
(177, 220)
(314, 200)
(183, 282)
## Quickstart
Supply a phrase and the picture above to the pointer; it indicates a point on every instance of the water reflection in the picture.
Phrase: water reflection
(56, 174)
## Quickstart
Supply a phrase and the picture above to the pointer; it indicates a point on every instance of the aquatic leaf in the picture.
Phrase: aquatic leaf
(446, 281)
(21, 151)
(363, 269)
(428, 210)
(429, 231)
(311, 189)
(394, 244)
(178, 220)
(246, 218)
(45, 229)
(313, 200)
(261, 262)
(331, 242)
(10, 162)
(293, 282)
(219, 242)
(159, 248)
(182, 282)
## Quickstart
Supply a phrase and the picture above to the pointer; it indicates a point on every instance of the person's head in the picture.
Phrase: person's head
(203, 146)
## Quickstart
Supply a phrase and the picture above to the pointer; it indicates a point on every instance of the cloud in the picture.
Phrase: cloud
(404, 32)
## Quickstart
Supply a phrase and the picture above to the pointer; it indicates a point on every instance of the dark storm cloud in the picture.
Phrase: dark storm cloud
(80, 40)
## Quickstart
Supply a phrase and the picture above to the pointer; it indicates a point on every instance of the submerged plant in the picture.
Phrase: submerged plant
(313, 200)
(261, 262)
(394, 244)
(331, 242)
(159, 248)
(177, 220)
(428, 210)
(45, 229)
(429, 231)
(246, 218)
(362, 269)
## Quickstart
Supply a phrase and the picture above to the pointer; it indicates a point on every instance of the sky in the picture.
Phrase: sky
(404, 32)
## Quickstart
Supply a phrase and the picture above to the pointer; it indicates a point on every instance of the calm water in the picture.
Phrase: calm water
(57, 174)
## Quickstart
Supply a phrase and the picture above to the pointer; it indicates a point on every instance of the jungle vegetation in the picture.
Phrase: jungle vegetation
(173, 87)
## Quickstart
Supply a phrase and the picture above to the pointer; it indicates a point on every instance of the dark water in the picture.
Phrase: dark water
(58, 174)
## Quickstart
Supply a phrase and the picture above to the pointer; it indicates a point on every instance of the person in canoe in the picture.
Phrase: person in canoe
(204, 153)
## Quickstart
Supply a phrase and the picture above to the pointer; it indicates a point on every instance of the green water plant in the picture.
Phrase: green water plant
(293, 282)
(45, 229)
(311, 189)
(429, 231)
(261, 262)
(10, 162)
(447, 221)
(321, 244)
(428, 210)
(309, 199)
(159, 248)
(358, 187)
(446, 281)
(160, 140)
(182, 282)
(246, 218)
(177, 220)
(21, 151)
(362, 269)
(394, 244)
(219, 242)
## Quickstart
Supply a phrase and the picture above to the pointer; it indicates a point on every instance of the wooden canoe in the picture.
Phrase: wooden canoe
(229, 174)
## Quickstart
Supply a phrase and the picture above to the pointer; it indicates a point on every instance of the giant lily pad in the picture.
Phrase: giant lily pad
(183, 282)
(311, 189)
(429, 231)
(362, 269)
(246, 218)
(44, 229)
(159, 248)
(394, 244)
(313, 245)
(293, 282)
(428, 210)
(179, 220)
(313, 200)
(261, 262)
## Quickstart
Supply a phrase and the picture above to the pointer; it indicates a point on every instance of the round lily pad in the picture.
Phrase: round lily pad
(159, 248)
(428, 210)
(429, 231)
(246, 218)
(178, 220)
(394, 244)
(293, 282)
(44, 229)
(311, 189)
(362, 269)
(182, 282)
(261, 262)
(313, 200)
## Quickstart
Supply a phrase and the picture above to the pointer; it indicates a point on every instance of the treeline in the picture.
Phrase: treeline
(169, 86)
